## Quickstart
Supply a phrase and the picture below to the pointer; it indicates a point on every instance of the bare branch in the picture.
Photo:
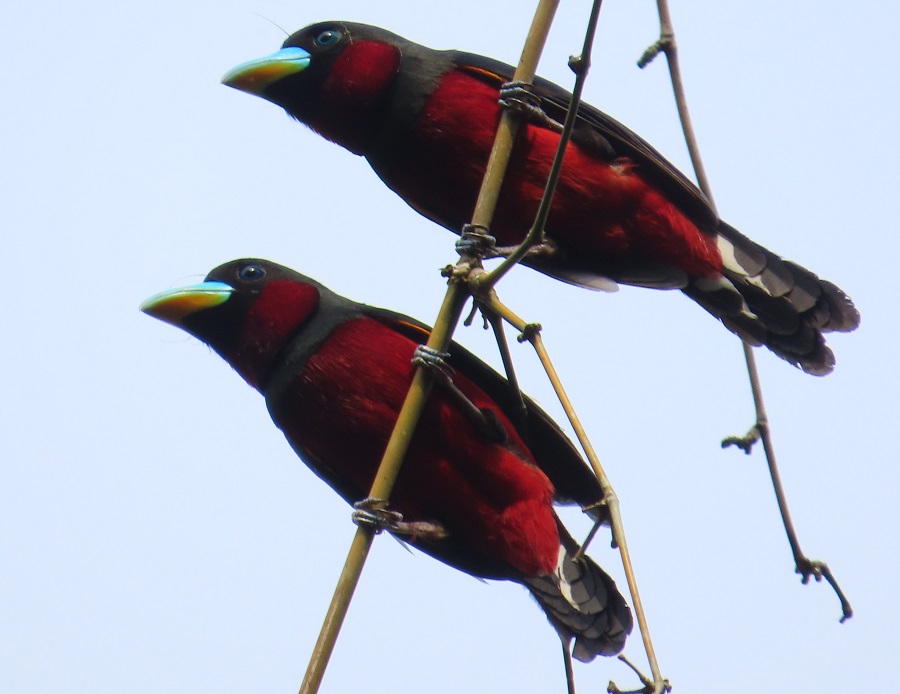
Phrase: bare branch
(804, 566)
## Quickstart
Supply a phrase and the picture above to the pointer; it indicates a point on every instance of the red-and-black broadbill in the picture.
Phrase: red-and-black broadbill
(481, 476)
(425, 120)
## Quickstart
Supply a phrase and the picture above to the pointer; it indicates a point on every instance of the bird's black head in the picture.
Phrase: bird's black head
(333, 76)
(246, 310)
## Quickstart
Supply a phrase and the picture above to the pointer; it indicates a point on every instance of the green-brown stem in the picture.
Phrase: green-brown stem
(439, 339)
(532, 333)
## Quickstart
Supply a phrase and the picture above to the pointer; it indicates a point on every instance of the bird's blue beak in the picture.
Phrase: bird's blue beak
(255, 75)
(173, 305)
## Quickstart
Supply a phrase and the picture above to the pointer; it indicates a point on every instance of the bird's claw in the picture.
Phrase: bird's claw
(520, 97)
(483, 419)
(375, 514)
(475, 241)
(434, 360)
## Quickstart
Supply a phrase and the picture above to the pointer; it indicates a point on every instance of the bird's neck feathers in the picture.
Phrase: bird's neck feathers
(279, 311)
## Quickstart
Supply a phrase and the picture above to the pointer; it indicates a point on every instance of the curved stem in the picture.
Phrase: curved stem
(804, 566)
(531, 332)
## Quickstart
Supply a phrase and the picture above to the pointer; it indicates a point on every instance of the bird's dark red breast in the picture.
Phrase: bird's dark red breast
(425, 120)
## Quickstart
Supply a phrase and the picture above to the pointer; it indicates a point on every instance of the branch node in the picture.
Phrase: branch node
(662, 45)
(455, 273)
(819, 569)
(485, 324)
(529, 332)
(650, 687)
(579, 64)
(745, 443)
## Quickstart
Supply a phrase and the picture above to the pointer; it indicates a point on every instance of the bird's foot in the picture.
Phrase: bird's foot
(484, 420)
(520, 97)
(475, 241)
(375, 514)
(434, 360)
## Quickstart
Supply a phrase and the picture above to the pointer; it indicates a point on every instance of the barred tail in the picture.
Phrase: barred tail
(583, 603)
(769, 301)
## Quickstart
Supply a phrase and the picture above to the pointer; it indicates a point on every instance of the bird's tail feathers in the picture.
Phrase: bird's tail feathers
(583, 602)
(769, 301)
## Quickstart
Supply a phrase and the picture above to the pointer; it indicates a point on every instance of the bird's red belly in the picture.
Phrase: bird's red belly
(342, 409)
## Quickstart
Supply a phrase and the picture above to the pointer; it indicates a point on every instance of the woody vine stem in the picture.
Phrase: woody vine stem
(439, 339)
(806, 567)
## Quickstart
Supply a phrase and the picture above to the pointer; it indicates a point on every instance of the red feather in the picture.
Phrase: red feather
(347, 400)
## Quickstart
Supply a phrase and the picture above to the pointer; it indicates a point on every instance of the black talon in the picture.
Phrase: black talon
(520, 96)
(433, 359)
(474, 240)
(375, 514)
(485, 421)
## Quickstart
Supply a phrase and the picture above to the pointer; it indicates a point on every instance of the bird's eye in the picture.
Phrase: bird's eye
(329, 37)
(251, 273)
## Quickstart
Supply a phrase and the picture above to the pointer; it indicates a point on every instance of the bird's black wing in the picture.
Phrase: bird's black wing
(554, 453)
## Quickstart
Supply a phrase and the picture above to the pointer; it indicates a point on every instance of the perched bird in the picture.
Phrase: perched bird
(425, 121)
(481, 476)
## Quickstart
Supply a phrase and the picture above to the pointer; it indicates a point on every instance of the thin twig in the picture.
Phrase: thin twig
(648, 688)
(804, 566)
(531, 333)
(567, 663)
(482, 283)
(499, 336)
(439, 339)
(580, 65)
(510, 121)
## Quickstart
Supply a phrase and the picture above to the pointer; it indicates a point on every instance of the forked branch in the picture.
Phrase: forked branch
(531, 332)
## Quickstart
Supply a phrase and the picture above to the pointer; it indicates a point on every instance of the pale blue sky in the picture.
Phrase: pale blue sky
(158, 535)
